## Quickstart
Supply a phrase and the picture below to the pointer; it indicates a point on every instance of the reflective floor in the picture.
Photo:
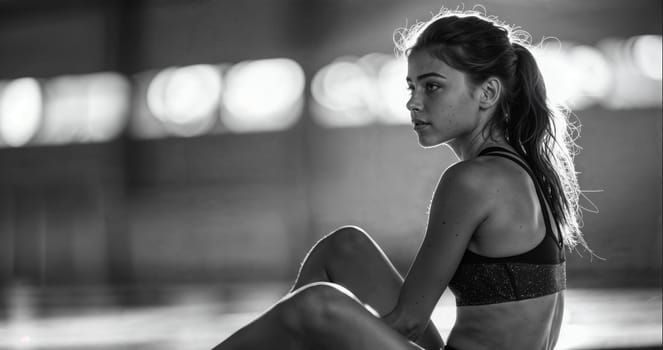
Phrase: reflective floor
(198, 317)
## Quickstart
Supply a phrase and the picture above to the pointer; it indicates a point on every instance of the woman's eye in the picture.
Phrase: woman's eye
(432, 87)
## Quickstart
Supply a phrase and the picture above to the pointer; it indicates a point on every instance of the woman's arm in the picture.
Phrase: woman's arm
(460, 204)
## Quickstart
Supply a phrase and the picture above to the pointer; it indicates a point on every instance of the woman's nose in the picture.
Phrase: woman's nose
(413, 104)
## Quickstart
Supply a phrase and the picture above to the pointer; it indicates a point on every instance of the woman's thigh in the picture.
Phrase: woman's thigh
(329, 316)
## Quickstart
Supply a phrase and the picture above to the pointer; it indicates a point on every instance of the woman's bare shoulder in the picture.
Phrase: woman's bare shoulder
(477, 173)
(484, 179)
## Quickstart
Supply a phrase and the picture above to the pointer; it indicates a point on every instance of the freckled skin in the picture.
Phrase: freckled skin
(449, 103)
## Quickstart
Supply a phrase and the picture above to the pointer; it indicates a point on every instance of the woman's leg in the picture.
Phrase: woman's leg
(350, 257)
(317, 316)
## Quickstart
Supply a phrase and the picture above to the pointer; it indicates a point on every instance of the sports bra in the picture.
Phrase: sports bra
(481, 280)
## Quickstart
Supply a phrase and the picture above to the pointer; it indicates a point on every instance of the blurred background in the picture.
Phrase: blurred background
(165, 165)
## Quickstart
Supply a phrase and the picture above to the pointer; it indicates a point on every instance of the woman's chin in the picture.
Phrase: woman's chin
(427, 143)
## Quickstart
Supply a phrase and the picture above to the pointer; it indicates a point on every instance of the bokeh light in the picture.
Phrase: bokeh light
(341, 92)
(577, 76)
(184, 99)
(634, 68)
(262, 95)
(20, 111)
(85, 108)
(648, 55)
(108, 106)
(590, 76)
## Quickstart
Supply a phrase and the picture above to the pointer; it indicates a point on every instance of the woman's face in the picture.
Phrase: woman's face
(443, 106)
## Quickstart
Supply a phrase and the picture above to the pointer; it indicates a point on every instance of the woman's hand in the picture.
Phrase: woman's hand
(402, 325)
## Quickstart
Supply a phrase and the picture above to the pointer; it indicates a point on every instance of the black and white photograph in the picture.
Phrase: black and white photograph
(331, 175)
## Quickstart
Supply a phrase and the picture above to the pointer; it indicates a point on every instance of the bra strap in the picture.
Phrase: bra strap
(504, 153)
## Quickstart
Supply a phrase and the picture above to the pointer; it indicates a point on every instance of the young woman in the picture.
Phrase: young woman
(498, 223)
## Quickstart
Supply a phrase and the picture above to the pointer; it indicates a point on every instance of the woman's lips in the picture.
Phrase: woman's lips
(419, 125)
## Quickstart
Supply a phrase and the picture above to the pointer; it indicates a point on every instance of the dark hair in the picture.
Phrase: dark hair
(539, 131)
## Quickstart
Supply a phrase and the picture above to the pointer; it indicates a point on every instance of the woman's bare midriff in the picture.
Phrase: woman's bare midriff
(531, 324)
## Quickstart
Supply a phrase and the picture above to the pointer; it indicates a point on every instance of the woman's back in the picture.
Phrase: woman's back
(509, 285)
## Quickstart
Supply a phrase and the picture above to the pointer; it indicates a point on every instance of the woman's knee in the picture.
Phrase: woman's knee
(349, 241)
(315, 305)
(319, 297)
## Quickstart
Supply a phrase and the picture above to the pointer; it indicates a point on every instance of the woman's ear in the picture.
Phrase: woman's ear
(491, 89)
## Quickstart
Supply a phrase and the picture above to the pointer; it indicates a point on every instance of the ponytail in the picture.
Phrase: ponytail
(542, 134)
(527, 111)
